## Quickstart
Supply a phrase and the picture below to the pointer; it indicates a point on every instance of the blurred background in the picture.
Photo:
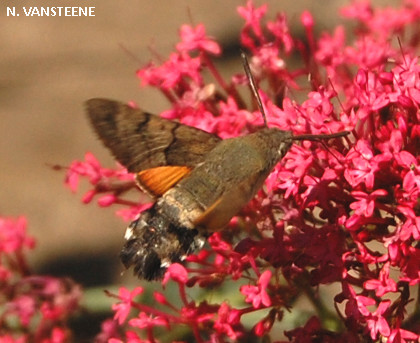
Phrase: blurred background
(49, 67)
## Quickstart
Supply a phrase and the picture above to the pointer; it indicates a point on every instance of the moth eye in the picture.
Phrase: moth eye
(283, 147)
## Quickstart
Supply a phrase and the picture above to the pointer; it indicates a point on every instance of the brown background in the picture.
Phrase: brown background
(50, 66)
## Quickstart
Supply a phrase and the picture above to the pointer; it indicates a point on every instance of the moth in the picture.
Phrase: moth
(199, 180)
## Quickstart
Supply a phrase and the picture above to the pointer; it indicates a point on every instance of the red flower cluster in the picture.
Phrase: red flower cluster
(346, 214)
(33, 308)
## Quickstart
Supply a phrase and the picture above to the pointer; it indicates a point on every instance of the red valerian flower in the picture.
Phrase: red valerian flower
(377, 323)
(384, 285)
(411, 226)
(123, 308)
(196, 39)
(144, 321)
(109, 332)
(366, 202)
(13, 237)
(402, 336)
(257, 295)
(34, 308)
(172, 73)
(110, 184)
(176, 272)
(252, 17)
(228, 319)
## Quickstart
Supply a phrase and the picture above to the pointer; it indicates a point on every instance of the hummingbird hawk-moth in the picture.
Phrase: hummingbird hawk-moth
(200, 181)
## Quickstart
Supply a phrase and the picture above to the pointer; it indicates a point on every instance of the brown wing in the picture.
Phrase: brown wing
(141, 140)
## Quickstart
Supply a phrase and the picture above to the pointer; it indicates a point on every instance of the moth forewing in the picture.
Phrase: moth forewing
(140, 140)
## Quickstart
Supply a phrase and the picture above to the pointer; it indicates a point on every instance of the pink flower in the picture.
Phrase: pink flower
(61, 297)
(402, 336)
(384, 284)
(37, 305)
(24, 307)
(58, 335)
(409, 258)
(129, 214)
(369, 52)
(13, 235)
(257, 295)
(411, 226)
(228, 319)
(290, 183)
(252, 17)
(115, 183)
(264, 326)
(267, 59)
(143, 321)
(109, 331)
(366, 202)
(363, 164)
(11, 339)
(377, 323)
(372, 94)
(107, 200)
(196, 39)
(361, 10)
(330, 50)
(280, 29)
(180, 67)
(122, 309)
(90, 168)
(176, 272)
(356, 306)
(410, 188)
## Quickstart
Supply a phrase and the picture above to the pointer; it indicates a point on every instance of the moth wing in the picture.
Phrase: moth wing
(156, 181)
(140, 140)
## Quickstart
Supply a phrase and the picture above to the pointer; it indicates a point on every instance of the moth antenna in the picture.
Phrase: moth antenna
(338, 98)
(129, 53)
(253, 86)
(190, 16)
(402, 50)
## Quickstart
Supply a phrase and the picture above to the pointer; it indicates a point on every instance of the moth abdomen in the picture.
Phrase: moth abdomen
(153, 242)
